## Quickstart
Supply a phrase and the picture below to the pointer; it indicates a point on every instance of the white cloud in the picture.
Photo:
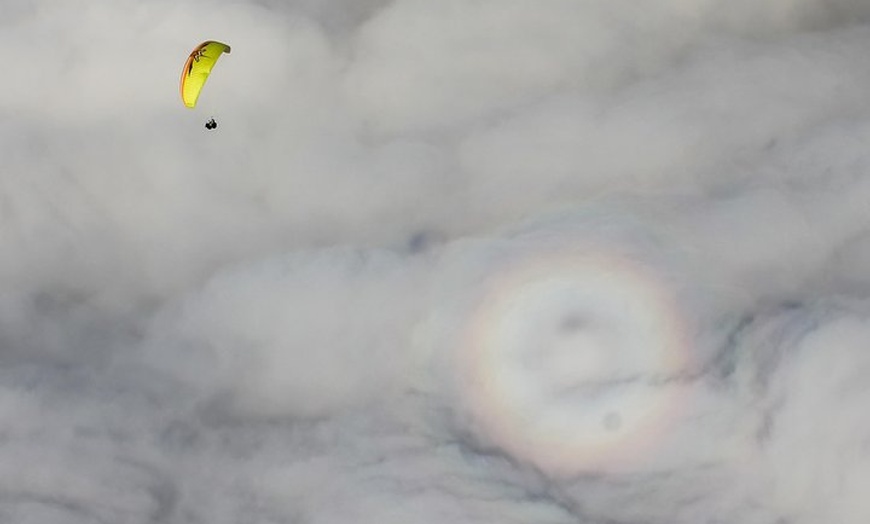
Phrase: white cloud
(467, 261)
(304, 335)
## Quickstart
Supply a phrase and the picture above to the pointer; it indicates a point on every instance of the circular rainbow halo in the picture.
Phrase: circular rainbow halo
(572, 362)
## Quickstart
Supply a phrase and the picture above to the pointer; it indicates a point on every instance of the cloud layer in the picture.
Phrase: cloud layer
(459, 261)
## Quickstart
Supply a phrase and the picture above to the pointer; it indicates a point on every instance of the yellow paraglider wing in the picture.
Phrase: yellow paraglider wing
(197, 68)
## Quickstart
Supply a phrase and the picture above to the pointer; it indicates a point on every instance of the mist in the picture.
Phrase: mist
(460, 261)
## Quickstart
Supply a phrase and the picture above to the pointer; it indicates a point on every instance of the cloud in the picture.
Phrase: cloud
(302, 335)
(466, 261)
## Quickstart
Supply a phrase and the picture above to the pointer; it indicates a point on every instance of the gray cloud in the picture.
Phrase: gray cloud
(463, 262)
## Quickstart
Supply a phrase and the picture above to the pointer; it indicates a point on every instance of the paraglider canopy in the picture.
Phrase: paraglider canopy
(197, 68)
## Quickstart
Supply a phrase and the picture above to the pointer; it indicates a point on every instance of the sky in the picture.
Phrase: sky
(467, 261)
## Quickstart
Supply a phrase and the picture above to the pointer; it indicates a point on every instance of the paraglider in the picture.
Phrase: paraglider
(196, 70)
